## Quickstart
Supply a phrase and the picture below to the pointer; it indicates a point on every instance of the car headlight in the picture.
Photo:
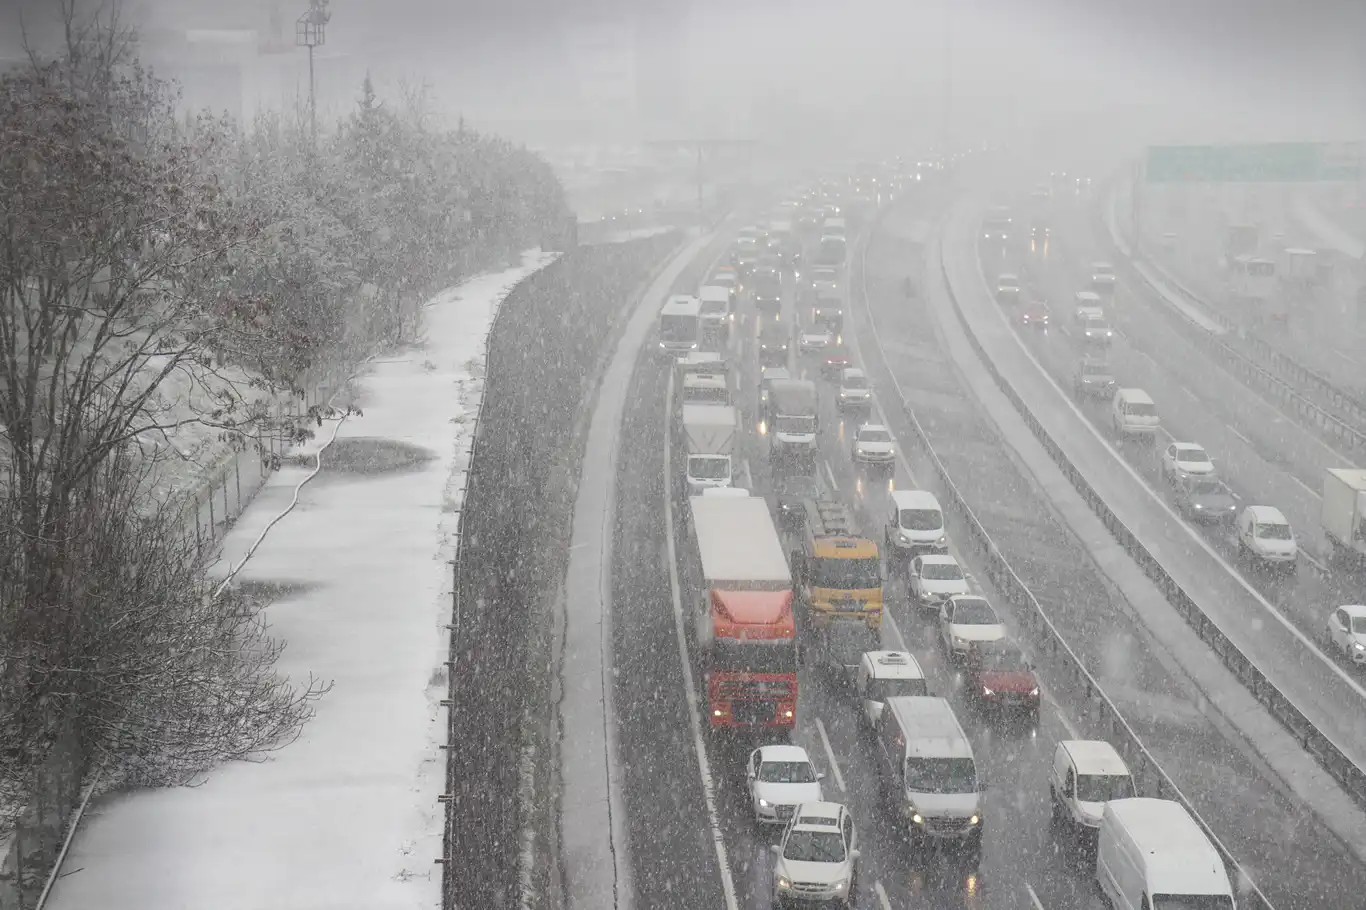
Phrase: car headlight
(840, 884)
(941, 540)
(1199, 506)
(917, 818)
(763, 804)
(1358, 646)
(987, 691)
(784, 883)
(976, 819)
(1034, 692)
(958, 642)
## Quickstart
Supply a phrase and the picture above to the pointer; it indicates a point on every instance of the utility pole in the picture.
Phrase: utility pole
(310, 31)
(700, 146)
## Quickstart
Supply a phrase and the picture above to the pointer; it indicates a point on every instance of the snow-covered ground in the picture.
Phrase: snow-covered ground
(347, 816)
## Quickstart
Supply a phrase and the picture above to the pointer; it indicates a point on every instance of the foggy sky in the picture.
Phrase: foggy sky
(1216, 69)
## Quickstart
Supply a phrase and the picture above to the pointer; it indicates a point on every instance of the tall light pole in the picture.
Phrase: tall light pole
(310, 31)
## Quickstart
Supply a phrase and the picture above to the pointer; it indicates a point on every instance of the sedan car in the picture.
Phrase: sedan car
(1205, 499)
(1034, 313)
(1096, 329)
(933, 579)
(967, 621)
(1001, 677)
(1185, 459)
(815, 338)
(1346, 633)
(780, 778)
(873, 444)
(817, 860)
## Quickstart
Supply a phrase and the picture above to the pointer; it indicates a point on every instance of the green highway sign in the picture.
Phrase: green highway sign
(1276, 162)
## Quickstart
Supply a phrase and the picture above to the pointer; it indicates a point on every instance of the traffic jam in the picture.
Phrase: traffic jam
(802, 537)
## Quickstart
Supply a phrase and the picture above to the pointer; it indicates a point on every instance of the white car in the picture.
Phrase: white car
(1346, 633)
(817, 860)
(815, 338)
(1007, 287)
(824, 278)
(873, 445)
(966, 621)
(935, 578)
(1264, 533)
(1185, 459)
(780, 778)
(1102, 274)
(854, 391)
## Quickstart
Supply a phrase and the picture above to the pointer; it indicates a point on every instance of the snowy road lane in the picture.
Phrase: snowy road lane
(1231, 788)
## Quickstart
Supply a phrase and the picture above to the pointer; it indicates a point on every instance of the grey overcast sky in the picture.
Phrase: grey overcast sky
(1235, 68)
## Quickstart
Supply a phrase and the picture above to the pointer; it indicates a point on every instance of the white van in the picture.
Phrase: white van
(927, 770)
(1265, 535)
(1132, 413)
(915, 523)
(1086, 774)
(1151, 855)
(887, 674)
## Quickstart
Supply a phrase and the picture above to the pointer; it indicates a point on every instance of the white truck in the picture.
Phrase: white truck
(680, 325)
(715, 310)
(706, 388)
(709, 432)
(1344, 511)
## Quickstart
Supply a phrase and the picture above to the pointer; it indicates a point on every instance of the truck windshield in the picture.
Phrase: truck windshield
(847, 574)
(883, 689)
(1192, 902)
(922, 520)
(676, 327)
(1100, 788)
(941, 775)
(708, 467)
(714, 307)
(1097, 371)
(764, 656)
(794, 424)
(706, 395)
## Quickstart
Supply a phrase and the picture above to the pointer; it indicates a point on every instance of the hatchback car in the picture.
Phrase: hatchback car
(1034, 313)
(815, 338)
(1001, 677)
(817, 860)
(835, 361)
(1185, 459)
(781, 777)
(967, 621)
(873, 444)
(934, 578)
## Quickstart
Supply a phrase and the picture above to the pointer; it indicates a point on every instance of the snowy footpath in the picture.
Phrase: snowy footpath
(347, 816)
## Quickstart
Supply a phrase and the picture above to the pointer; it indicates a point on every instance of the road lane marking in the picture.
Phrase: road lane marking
(1034, 898)
(881, 893)
(1307, 488)
(681, 635)
(890, 620)
(830, 754)
(830, 475)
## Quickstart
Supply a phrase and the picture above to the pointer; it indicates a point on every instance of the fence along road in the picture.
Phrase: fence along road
(1271, 657)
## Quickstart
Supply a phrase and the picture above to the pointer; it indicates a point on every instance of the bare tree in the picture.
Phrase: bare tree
(115, 243)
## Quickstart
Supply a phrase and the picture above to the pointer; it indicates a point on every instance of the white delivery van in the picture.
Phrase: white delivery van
(1132, 413)
(887, 674)
(927, 769)
(1151, 855)
(1086, 774)
(915, 523)
(709, 431)
(1264, 534)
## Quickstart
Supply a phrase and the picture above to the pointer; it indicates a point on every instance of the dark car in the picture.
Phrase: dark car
(1033, 312)
(767, 285)
(1002, 678)
(835, 361)
(774, 340)
(791, 494)
(828, 307)
(1205, 499)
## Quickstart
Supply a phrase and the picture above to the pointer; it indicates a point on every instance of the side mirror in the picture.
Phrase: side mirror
(855, 854)
(820, 775)
(777, 849)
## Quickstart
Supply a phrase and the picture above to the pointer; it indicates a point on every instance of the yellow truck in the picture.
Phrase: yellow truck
(838, 571)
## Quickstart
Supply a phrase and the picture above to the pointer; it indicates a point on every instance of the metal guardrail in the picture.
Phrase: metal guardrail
(489, 789)
(1311, 739)
(1277, 371)
(1096, 708)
